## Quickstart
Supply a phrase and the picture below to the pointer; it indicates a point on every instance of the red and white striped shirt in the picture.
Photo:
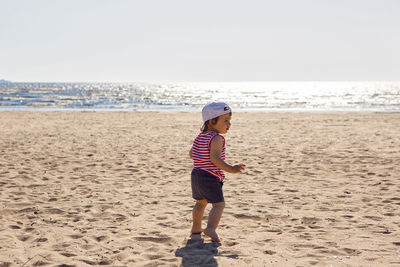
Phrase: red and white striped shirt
(201, 154)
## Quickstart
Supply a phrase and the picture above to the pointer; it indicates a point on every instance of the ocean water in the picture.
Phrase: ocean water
(242, 96)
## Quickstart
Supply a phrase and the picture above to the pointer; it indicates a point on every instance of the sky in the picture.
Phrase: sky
(196, 41)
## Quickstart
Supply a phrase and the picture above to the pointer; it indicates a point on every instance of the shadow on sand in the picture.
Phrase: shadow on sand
(198, 253)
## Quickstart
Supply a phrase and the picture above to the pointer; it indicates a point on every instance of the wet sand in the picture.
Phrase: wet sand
(86, 189)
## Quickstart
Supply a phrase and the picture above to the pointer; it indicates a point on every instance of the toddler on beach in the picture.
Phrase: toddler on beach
(208, 154)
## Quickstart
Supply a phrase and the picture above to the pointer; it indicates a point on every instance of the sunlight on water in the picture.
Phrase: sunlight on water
(243, 96)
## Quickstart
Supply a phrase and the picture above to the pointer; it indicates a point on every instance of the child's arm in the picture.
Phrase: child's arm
(215, 156)
(190, 154)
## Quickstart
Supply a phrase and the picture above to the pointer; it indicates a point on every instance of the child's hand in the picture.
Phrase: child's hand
(238, 168)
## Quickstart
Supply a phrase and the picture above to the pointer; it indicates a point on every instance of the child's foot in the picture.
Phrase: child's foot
(211, 233)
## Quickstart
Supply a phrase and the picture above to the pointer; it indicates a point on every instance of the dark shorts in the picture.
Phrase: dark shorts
(206, 186)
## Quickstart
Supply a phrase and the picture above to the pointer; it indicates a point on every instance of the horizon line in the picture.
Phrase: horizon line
(242, 81)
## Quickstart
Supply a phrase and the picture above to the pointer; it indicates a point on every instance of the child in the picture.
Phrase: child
(208, 154)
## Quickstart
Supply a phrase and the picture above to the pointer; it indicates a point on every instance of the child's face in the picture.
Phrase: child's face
(223, 124)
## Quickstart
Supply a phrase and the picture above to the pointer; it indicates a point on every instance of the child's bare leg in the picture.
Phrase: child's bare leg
(197, 213)
(213, 221)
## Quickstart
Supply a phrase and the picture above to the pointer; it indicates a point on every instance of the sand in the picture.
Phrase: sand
(87, 189)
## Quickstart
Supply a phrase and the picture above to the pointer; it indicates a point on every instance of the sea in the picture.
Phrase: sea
(191, 96)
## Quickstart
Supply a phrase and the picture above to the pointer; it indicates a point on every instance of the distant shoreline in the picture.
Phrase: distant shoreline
(191, 97)
(193, 111)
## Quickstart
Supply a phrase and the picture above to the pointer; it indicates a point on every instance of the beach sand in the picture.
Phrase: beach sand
(113, 188)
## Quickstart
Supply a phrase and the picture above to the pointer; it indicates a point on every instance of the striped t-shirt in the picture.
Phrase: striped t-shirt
(201, 154)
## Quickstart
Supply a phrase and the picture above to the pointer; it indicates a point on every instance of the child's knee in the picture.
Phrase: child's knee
(219, 204)
(202, 202)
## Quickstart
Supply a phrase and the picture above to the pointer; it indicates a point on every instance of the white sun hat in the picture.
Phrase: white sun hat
(214, 109)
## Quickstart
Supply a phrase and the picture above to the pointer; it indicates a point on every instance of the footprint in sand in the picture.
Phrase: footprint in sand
(374, 218)
(102, 262)
(351, 252)
(153, 257)
(245, 216)
(153, 239)
(76, 236)
(309, 220)
(269, 252)
(54, 211)
(41, 239)
(100, 238)
(23, 238)
(230, 243)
